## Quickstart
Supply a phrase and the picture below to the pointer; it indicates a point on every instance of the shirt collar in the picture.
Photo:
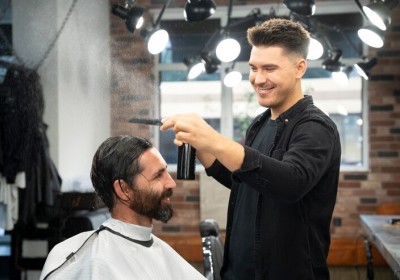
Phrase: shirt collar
(296, 109)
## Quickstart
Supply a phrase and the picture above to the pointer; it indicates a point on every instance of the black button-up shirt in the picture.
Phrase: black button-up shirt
(297, 186)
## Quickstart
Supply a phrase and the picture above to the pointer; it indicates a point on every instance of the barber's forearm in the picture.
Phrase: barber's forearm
(229, 153)
(206, 159)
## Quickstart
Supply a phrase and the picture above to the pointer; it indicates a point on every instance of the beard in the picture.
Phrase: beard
(149, 204)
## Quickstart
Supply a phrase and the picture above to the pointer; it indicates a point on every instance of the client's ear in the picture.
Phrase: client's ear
(121, 189)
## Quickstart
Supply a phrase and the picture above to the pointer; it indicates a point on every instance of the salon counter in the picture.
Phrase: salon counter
(385, 236)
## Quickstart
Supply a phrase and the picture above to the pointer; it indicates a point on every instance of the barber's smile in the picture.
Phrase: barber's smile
(265, 90)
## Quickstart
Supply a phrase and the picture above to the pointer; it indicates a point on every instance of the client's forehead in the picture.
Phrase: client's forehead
(152, 161)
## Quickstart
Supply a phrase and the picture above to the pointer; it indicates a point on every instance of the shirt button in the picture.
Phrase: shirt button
(286, 120)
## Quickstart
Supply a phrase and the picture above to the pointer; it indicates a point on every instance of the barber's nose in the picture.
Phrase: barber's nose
(259, 78)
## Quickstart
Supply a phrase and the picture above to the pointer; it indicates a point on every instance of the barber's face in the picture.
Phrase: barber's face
(153, 188)
(273, 75)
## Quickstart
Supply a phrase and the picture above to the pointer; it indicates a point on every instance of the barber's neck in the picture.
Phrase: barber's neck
(289, 103)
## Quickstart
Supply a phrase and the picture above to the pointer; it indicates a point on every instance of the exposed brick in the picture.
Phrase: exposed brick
(388, 107)
(347, 184)
(382, 77)
(390, 169)
(192, 198)
(389, 53)
(390, 185)
(394, 193)
(171, 228)
(388, 154)
(395, 130)
(370, 209)
(337, 222)
(358, 177)
(368, 200)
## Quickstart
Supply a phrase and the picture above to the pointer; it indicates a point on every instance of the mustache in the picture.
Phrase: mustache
(167, 193)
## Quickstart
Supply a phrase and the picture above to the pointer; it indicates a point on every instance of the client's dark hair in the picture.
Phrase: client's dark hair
(116, 158)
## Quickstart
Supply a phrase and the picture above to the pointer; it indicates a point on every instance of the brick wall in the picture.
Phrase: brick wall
(135, 91)
(363, 192)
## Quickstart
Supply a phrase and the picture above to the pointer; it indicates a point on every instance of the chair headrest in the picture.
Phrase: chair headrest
(209, 227)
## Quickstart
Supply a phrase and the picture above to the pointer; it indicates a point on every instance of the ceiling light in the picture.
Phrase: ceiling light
(371, 36)
(228, 50)
(232, 78)
(196, 70)
(315, 50)
(342, 77)
(198, 10)
(305, 7)
(342, 110)
(132, 16)
(196, 67)
(157, 41)
(363, 68)
(333, 63)
(379, 12)
(211, 63)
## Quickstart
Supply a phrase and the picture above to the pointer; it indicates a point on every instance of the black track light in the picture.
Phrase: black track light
(305, 7)
(132, 16)
(198, 10)
(363, 68)
(333, 63)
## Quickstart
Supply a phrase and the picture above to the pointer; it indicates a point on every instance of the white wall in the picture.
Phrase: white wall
(75, 76)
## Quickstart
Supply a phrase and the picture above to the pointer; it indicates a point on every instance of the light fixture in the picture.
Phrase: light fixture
(198, 10)
(342, 77)
(196, 67)
(333, 63)
(342, 110)
(132, 16)
(305, 7)
(228, 50)
(371, 36)
(315, 49)
(157, 38)
(363, 68)
(378, 12)
(232, 78)
(211, 62)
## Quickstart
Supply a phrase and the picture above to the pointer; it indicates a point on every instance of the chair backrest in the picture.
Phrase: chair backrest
(213, 249)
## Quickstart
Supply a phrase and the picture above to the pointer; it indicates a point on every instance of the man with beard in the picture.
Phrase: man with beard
(131, 178)
(284, 179)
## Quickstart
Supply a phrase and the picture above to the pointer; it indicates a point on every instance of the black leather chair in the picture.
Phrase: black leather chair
(213, 249)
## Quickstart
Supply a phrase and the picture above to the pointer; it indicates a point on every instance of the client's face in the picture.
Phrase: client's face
(153, 188)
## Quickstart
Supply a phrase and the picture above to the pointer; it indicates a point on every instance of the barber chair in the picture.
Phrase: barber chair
(77, 212)
(213, 249)
(85, 220)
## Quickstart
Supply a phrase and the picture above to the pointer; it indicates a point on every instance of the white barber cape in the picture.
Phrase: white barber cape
(117, 250)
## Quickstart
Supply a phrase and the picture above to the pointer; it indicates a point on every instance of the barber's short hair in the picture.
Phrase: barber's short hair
(288, 34)
(116, 158)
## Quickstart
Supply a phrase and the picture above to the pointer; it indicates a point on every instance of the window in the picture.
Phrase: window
(230, 111)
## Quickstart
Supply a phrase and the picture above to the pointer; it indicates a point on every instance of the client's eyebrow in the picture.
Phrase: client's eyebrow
(159, 172)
